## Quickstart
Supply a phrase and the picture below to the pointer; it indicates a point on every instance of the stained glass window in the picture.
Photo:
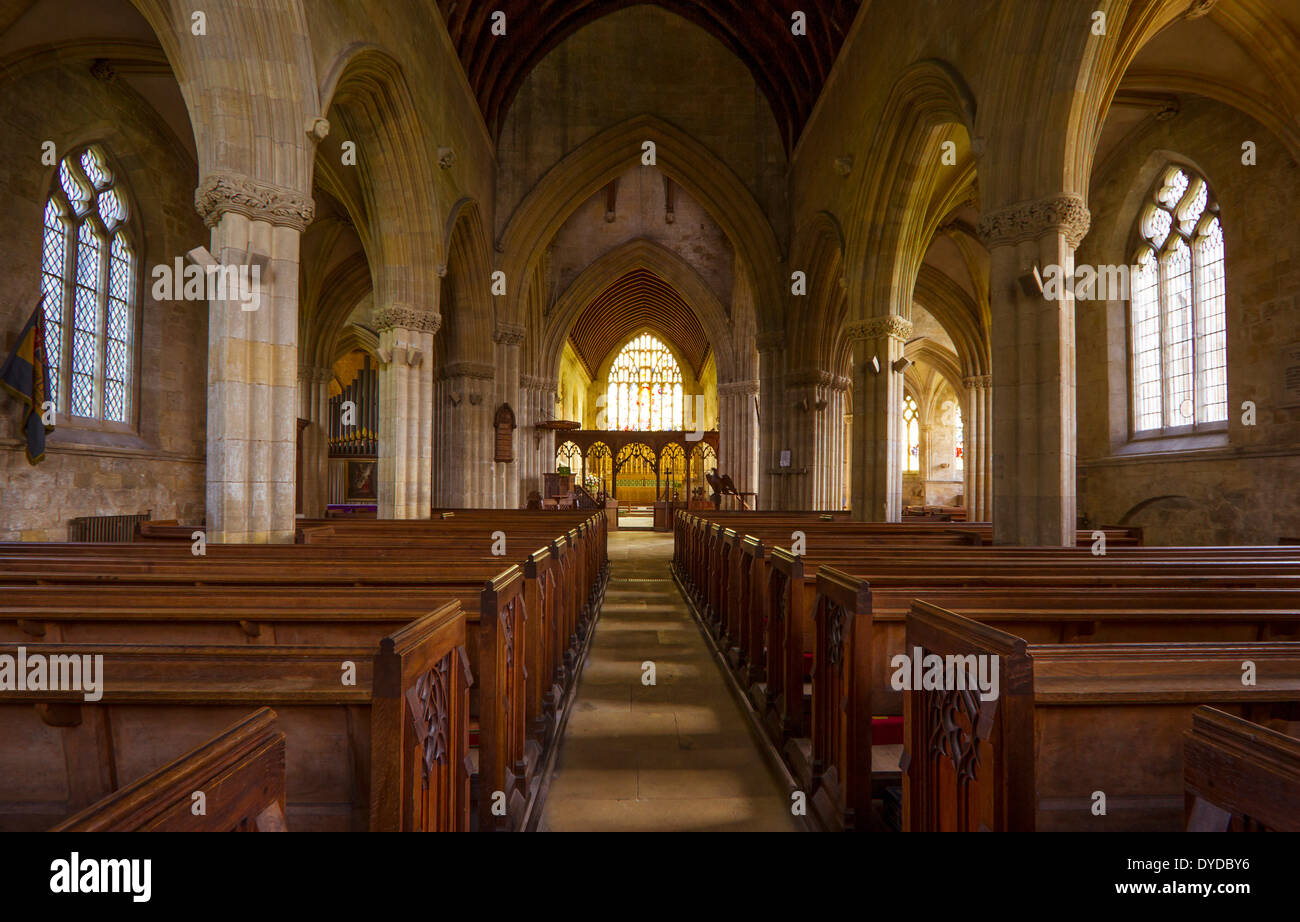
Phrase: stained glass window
(87, 283)
(645, 387)
(912, 444)
(1177, 309)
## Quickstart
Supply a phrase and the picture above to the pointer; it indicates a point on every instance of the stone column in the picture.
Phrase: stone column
(738, 434)
(977, 417)
(1033, 371)
(253, 358)
(313, 405)
(464, 435)
(536, 447)
(771, 422)
(836, 420)
(505, 476)
(877, 471)
(405, 411)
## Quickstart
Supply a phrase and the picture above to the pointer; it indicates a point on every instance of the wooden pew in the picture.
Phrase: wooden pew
(562, 587)
(1071, 721)
(1239, 775)
(387, 752)
(239, 774)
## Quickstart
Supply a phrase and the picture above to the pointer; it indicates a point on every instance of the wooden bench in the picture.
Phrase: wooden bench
(1072, 723)
(1239, 775)
(388, 752)
(238, 774)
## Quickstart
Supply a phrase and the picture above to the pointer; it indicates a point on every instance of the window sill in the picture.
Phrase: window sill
(1159, 445)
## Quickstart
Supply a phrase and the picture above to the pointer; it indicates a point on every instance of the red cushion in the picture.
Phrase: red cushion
(886, 730)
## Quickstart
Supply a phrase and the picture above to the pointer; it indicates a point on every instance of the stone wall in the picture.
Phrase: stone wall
(1237, 487)
(159, 466)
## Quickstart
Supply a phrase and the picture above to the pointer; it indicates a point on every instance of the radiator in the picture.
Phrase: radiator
(117, 529)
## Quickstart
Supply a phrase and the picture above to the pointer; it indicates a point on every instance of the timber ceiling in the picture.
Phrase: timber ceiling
(789, 69)
(639, 300)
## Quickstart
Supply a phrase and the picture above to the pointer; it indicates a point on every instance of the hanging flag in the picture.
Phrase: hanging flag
(25, 375)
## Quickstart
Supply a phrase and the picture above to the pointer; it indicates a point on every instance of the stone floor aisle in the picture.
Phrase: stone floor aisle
(674, 756)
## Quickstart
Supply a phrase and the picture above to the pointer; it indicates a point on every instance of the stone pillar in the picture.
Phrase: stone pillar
(464, 435)
(771, 422)
(313, 405)
(977, 417)
(252, 427)
(1033, 371)
(738, 434)
(535, 447)
(405, 411)
(877, 472)
(814, 408)
(505, 476)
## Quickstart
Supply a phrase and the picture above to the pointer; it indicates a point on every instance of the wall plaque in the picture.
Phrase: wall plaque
(1291, 375)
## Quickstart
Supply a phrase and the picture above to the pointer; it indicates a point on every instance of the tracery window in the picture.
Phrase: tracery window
(1177, 309)
(88, 270)
(912, 426)
(645, 387)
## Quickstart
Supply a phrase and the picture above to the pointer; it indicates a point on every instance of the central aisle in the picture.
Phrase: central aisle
(673, 756)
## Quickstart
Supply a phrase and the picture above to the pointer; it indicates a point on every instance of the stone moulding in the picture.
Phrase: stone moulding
(770, 342)
(738, 389)
(977, 381)
(509, 334)
(468, 370)
(1065, 213)
(537, 382)
(890, 325)
(407, 318)
(222, 192)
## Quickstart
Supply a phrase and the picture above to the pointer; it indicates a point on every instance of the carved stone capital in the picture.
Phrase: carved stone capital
(738, 389)
(314, 373)
(1066, 214)
(509, 334)
(890, 325)
(468, 370)
(809, 377)
(398, 316)
(770, 342)
(220, 193)
(537, 382)
(978, 381)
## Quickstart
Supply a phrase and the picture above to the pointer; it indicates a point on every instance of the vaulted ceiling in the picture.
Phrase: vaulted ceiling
(639, 300)
(789, 69)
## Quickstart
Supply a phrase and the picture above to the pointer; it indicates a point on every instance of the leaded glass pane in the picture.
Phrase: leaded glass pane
(75, 188)
(645, 387)
(85, 322)
(1178, 336)
(1211, 332)
(92, 163)
(1146, 346)
(53, 266)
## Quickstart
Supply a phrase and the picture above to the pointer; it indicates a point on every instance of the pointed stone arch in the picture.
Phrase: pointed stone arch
(607, 155)
(639, 254)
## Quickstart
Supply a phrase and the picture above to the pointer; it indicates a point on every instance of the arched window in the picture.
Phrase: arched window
(1177, 328)
(645, 387)
(912, 427)
(88, 281)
